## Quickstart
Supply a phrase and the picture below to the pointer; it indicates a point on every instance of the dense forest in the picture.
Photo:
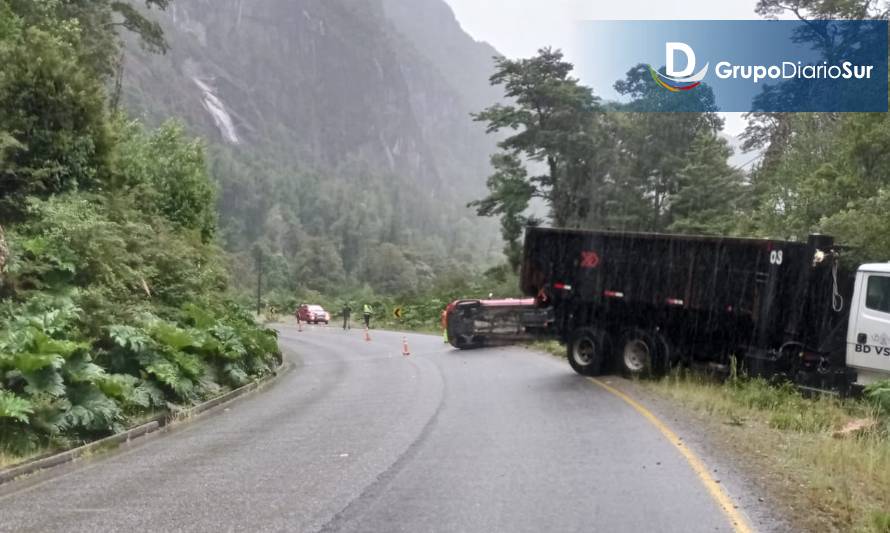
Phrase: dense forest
(609, 167)
(127, 243)
(339, 134)
(114, 297)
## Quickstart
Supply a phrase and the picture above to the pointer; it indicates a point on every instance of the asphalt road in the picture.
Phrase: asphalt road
(359, 438)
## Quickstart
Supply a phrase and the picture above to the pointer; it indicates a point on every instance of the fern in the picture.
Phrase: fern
(34, 362)
(164, 371)
(146, 394)
(229, 345)
(200, 318)
(81, 369)
(92, 411)
(121, 387)
(48, 413)
(129, 338)
(236, 375)
(17, 438)
(46, 381)
(190, 365)
(15, 407)
(58, 384)
(170, 374)
(174, 337)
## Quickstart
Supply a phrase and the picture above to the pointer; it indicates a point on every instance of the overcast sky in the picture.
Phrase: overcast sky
(517, 28)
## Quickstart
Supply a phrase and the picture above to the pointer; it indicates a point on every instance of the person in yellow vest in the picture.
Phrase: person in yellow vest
(367, 310)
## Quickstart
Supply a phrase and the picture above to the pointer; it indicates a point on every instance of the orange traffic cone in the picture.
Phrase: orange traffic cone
(367, 335)
(405, 351)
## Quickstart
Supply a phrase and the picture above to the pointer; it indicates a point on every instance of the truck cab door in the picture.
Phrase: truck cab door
(868, 334)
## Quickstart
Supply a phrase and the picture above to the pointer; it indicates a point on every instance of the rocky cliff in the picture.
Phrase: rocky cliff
(326, 84)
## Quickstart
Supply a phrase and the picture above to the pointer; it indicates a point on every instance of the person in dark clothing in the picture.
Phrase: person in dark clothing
(347, 311)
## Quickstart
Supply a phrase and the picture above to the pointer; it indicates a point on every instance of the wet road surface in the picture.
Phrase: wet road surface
(359, 438)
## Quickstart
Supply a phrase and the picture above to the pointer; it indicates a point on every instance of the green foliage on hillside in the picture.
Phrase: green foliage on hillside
(669, 172)
(325, 232)
(353, 130)
(607, 166)
(113, 294)
(831, 176)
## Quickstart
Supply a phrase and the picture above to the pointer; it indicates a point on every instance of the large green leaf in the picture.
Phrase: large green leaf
(176, 338)
(120, 386)
(81, 369)
(192, 365)
(44, 344)
(92, 410)
(229, 344)
(32, 362)
(201, 318)
(129, 337)
(147, 394)
(15, 407)
(46, 381)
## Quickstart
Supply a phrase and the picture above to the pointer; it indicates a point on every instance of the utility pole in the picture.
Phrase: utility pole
(259, 280)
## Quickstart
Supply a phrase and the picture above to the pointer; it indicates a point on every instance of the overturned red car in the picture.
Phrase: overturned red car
(476, 323)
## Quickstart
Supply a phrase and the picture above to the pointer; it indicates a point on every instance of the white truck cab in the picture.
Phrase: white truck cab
(868, 333)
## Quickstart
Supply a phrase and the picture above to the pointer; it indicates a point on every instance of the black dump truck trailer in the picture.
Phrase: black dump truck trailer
(639, 303)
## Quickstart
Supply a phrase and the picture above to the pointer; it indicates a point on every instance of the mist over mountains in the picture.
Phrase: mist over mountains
(340, 121)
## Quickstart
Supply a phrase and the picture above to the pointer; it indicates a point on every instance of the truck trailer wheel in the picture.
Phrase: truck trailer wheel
(639, 354)
(587, 351)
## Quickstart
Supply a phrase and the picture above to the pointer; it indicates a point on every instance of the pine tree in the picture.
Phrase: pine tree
(708, 189)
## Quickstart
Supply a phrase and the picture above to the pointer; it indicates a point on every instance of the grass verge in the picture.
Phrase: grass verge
(826, 481)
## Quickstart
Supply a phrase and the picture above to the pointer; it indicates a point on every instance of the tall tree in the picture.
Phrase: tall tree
(709, 190)
(772, 132)
(95, 26)
(56, 54)
(656, 135)
(52, 111)
(553, 118)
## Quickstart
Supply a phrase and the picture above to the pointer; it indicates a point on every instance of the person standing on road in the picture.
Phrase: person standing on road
(367, 310)
(347, 311)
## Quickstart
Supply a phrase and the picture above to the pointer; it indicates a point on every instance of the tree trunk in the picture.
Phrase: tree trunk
(4, 254)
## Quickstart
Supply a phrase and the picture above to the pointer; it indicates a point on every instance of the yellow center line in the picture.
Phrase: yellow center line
(739, 522)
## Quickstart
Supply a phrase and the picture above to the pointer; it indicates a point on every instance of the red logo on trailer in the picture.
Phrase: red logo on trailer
(590, 259)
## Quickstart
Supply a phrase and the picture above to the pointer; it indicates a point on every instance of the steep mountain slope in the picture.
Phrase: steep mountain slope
(360, 106)
(433, 29)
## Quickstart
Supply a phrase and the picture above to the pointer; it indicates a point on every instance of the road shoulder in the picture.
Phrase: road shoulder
(724, 450)
(46, 467)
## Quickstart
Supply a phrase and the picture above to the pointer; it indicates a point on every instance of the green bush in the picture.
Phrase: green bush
(107, 312)
(114, 297)
(56, 385)
(879, 394)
